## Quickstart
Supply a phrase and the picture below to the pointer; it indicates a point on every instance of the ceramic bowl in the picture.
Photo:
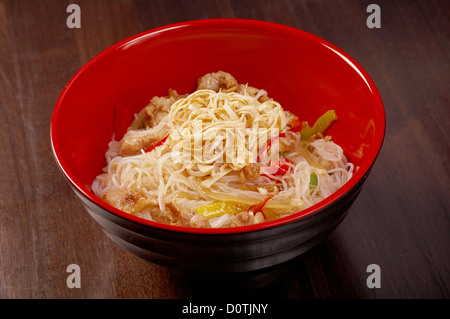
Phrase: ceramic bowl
(303, 72)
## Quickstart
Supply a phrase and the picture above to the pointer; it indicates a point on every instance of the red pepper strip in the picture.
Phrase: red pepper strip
(264, 150)
(279, 166)
(258, 207)
(296, 125)
(152, 147)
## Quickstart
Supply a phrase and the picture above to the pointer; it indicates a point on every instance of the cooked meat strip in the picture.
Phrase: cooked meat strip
(258, 218)
(133, 145)
(249, 172)
(184, 216)
(189, 218)
(218, 81)
(159, 107)
(199, 221)
(120, 199)
(126, 200)
(247, 218)
(242, 219)
(150, 116)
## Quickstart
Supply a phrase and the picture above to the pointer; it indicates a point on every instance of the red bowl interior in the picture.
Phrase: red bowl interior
(306, 74)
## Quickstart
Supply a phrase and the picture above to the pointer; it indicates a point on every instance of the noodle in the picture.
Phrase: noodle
(213, 147)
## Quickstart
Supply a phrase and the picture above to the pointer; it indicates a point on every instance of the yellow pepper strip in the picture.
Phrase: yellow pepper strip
(319, 126)
(324, 121)
(313, 179)
(306, 131)
(245, 201)
(217, 209)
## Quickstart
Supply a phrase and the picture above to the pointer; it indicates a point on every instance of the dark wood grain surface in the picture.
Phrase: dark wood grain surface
(400, 221)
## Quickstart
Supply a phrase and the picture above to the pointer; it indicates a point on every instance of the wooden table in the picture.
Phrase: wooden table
(400, 221)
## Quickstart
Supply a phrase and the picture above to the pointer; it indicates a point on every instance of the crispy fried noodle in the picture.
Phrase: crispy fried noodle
(226, 155)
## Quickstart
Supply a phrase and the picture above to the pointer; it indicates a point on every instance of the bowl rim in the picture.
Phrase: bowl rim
(354, 181)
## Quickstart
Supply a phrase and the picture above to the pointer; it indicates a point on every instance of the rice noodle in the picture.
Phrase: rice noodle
(213, 135)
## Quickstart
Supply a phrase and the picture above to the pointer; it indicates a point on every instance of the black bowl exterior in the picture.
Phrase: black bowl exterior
(223, 253)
